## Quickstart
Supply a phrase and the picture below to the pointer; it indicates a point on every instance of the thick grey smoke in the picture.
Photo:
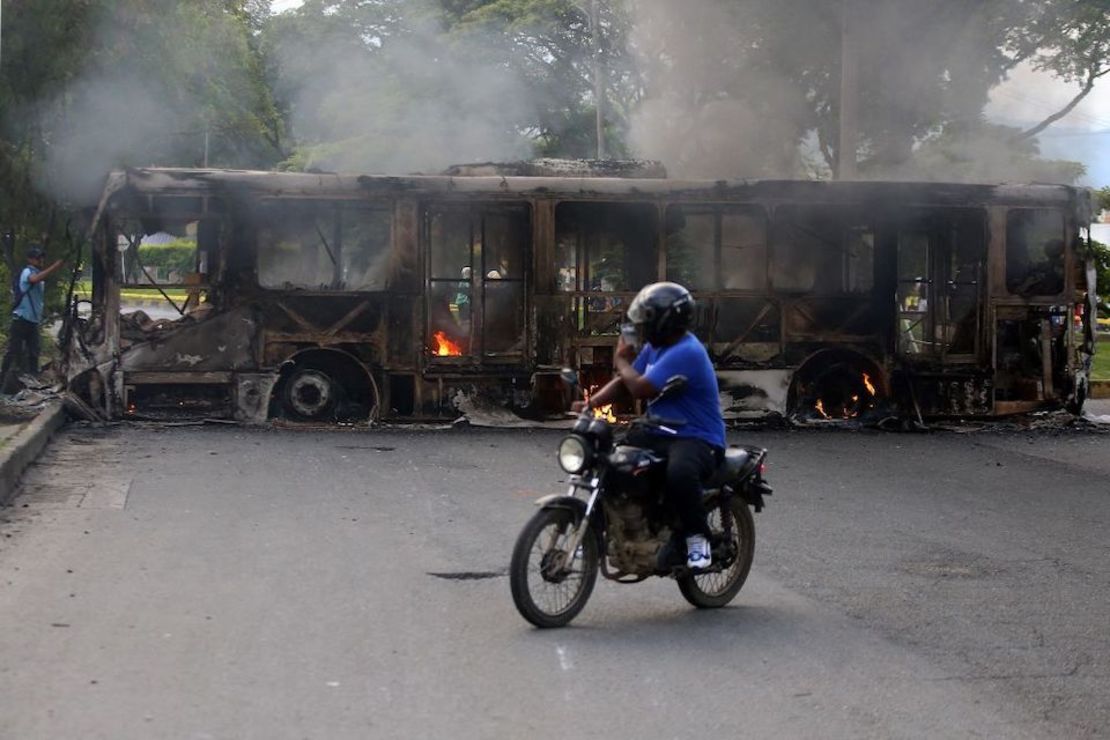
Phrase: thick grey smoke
(109, 121)
(751, 90)
(157, 77)
(709, 111)
(418, 103)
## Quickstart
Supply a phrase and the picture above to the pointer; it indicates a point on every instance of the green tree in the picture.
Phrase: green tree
(88, 85)
(1102, 198)
(1067, 38)
(387, 85)
(766, 75)
(551, 43)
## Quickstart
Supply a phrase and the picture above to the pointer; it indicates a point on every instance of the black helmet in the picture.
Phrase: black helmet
(661, 310)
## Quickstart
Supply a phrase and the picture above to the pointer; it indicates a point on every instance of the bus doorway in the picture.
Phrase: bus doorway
(940, 306)
(478, 259)
(941, 264)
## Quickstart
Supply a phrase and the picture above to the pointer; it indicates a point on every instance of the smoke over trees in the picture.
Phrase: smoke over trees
(712, 88)
(766, 76)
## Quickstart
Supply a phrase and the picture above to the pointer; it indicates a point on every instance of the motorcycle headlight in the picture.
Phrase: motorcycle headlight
(573, 454)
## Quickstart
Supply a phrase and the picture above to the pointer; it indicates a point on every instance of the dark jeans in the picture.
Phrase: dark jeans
(22, 354)
(689, 463)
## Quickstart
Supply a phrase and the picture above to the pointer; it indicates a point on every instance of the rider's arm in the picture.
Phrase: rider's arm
(44, 273)
(628, 379)
(638, 385)
(630, 368)
(609, 393)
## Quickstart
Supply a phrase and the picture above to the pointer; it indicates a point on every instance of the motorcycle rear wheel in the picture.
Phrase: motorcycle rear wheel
(546, 594)
(715, 589)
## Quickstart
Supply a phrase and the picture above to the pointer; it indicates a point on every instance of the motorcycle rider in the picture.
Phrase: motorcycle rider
(662, 313)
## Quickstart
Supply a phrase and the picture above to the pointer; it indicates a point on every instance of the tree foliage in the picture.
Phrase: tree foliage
(710, 86)
(88, 85)
(1102, 198)
(1067, 38)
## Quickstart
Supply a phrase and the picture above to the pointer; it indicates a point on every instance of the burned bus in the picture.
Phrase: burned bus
(321, 296)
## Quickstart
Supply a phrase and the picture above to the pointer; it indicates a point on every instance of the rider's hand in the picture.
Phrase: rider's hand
(626, 350)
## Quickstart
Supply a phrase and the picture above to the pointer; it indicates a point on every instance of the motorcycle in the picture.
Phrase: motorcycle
(614, 519)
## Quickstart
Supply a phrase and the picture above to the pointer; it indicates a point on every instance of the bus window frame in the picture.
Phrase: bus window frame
(475, 209)
(337, 205)
(941, 282)
(582, 296)
(718, 210)
(1066, 257)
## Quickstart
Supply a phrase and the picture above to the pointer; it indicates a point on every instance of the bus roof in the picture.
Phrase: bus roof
(262, 184)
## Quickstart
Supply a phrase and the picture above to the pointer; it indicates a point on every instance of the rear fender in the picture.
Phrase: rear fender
(752, 489)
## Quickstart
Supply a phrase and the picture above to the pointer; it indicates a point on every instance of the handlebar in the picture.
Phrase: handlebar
(670, 426)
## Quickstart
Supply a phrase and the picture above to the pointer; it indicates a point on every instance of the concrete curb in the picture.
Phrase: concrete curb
(25, 446)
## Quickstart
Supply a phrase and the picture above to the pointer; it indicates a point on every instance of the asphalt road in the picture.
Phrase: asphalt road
(226, 583)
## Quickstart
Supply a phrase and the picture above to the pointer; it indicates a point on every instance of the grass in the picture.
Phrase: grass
(84, 290)
(1101, 369)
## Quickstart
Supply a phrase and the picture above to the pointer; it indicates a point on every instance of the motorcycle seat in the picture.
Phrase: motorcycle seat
(736, 458)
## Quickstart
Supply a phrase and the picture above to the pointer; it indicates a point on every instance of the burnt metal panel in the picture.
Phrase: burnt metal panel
(222, 342)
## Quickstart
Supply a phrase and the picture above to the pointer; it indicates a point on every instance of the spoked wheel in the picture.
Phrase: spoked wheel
(732, 556)
(545, 591)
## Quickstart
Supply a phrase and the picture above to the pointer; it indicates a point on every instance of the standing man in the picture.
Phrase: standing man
(27, 310)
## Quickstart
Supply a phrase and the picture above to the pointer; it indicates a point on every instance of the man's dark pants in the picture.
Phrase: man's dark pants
(23, 352)
(689, 463)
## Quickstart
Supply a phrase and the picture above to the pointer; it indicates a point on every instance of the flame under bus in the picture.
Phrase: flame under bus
(338, 297)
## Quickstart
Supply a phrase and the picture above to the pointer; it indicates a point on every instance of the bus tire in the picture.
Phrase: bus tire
(310, 394)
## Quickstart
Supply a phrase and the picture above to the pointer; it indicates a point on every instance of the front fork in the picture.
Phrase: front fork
(593, 485)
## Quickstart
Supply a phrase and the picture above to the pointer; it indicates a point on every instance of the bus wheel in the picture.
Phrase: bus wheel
(310, 395)
(836, 384)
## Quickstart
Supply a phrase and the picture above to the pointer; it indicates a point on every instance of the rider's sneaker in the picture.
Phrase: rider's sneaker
(699, 556)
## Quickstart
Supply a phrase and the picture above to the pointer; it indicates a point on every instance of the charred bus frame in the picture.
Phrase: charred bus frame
(322, 296)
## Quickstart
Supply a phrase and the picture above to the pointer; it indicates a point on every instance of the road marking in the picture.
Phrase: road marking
(564, 661)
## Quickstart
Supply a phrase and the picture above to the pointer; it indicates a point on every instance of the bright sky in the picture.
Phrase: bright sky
(1083, 135)
(281, 5)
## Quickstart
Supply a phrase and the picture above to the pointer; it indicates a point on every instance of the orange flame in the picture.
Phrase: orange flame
(868, 384)
(444, 347)
(603, 412)
(606, 413)
(821, 408)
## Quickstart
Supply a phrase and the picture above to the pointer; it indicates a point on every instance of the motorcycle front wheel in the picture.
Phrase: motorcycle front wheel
(716, 588)
(545, 591)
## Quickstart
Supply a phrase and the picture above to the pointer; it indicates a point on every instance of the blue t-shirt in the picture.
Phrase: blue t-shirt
(699, 404)
(29, 307)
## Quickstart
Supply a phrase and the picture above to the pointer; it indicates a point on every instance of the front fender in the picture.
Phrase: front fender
(578, 508)
(560, 501)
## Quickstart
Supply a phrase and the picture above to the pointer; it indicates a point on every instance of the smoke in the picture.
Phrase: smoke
(722, 90)
(711, 109)
(417, 102)
(747, 90)
(105, 123)
(163, 83)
